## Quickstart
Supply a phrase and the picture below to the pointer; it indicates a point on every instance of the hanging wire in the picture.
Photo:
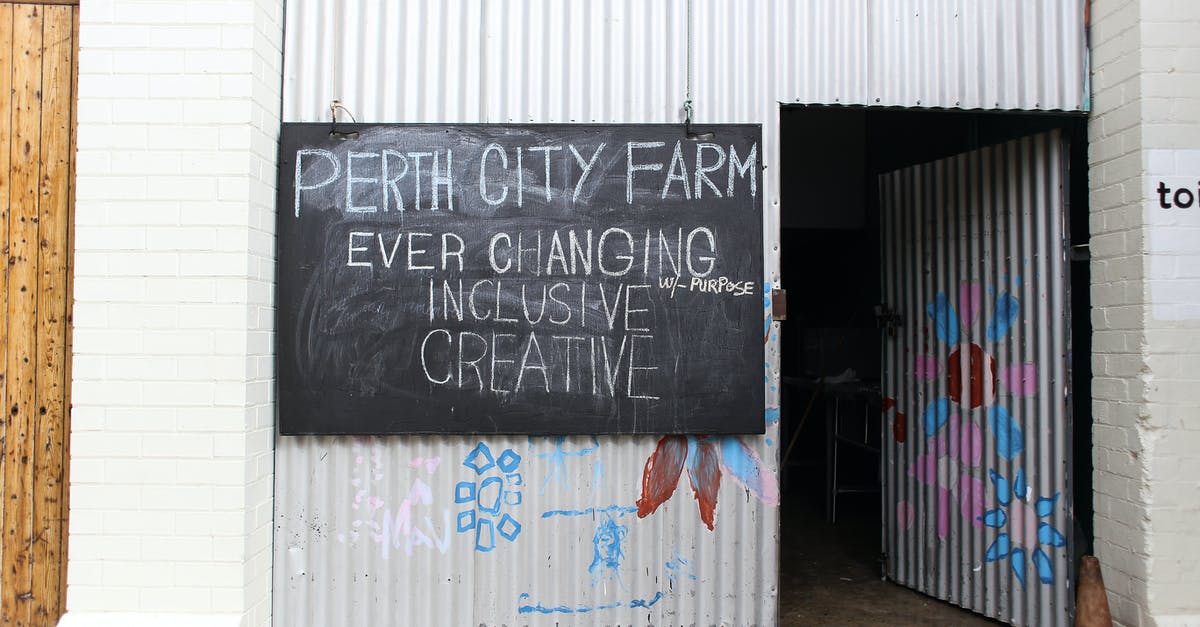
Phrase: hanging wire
(688, 105)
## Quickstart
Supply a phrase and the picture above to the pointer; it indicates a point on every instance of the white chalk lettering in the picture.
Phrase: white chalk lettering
(587, 168)
(611, 314)
(495, 360)
(736, 165)
(520, 178)
(546, 150)
(391, 183)
(351, 180)
(447, 253)
(630, 310)
(525, 306)
(351, 249)
(522, 251)
(561, 303)
(473, 363)
(632, 368)
(556, 252)
(703, 170)
(677, 164)
(314, 152)
(611, 370)
(424, 359)
(412, 252)
(446, 180)
(483, 174)
(448, 300)
(578, 253)
(541, 367)
(627, 258)
(630, 167)
(712, 247)
(492, 252)
(416, 157)
(500, 318)
(388, 257)
(471, 300)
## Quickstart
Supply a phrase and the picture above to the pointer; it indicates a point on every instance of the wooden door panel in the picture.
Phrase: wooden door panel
(38, 44)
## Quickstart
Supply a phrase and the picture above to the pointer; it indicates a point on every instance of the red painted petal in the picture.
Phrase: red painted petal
(662, 473)
(704, 471)
(900, 427)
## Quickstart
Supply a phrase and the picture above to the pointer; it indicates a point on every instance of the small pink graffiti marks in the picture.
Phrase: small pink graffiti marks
(926, 368)
(368, 469)
(905, 514)
(398, 527)
(954, 451)
(399, 531)
(430, 463)
(706, 459)
(1020, 379)
(970, 295)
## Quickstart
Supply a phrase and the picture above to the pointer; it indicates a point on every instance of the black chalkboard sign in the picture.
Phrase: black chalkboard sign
(547, 279)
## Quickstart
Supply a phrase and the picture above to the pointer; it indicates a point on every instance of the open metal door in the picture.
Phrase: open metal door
(977, 508)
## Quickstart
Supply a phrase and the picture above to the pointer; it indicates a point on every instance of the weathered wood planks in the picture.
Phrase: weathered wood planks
(38, 77)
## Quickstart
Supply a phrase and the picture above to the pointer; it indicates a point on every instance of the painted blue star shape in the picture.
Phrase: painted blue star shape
(1013, 501)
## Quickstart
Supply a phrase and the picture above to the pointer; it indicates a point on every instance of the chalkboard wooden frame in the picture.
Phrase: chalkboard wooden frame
(520, 279)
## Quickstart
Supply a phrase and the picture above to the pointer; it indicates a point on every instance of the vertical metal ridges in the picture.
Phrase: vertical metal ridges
(977, 495)
(622, 61)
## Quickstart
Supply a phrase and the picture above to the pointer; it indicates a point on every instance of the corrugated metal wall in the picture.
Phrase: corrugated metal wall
(366, 528)
(977, 500)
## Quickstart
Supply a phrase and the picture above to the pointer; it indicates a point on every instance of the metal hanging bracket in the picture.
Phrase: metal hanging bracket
(334, 106)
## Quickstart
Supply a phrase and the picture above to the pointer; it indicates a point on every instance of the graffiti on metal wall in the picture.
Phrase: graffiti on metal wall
(556, 460)
(407, 524)
(704, 458)
(488, 500)
(979, 385)
(707, 459)
(1015, 519)
(524, 607)
(608, 552)
(489, 497)
(678, 568)
(952, 463)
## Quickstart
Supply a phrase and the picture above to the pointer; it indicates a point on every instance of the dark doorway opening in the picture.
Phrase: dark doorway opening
(831, 423)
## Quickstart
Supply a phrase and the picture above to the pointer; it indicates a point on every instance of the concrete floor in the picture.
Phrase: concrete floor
(830, 574)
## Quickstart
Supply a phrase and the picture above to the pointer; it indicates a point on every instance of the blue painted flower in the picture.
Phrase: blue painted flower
(1024, 527)
(973, 374)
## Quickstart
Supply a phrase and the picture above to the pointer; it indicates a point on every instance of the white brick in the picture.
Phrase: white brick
(167, 113)
(190, 36)
(148, 61)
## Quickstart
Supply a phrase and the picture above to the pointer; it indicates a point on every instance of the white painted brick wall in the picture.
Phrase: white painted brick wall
(172, 426)
(1171, 431)
(1115, 173)
(1145, 128)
